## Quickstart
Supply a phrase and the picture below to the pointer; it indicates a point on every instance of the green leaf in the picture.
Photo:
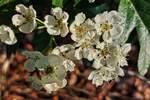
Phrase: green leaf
(144, 55)
(57, 3)
(128, 14)
(3, 2)
(136, 14)
(76, 2)
(98, 9)
(41, 41)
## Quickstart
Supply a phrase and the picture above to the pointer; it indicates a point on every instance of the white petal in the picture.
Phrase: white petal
(8, 36)
(92, 74)
(22, 9)
(55, 60)
(65, 16)
(126, 48)
(80, 18)
(98, 29)
(72, 28)
(64, 30)
(97, 63)
(57, 12)
(64, 83)
(69, 65)
(74, 37)
(53, 31)
(101, 18)
(123, 62)
(50, 21)
(51, 87)
(28, 27)
(90, 35)
(100, 45)
(18, 20)
(56, 51)
(78, 53)
(107, 37)
(115, 17)
(89, 53)
(66, 48)
(116, 31)
(31, 12)
(120, 72)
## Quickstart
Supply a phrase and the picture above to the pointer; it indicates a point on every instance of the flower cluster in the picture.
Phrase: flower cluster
(93, 40)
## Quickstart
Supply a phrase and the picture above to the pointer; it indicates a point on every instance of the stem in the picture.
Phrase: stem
(138, 75)
(41, 27)
(53, 38)
(40, 21)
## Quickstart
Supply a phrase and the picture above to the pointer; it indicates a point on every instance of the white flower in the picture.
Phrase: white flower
(85, 50)
(123, 53)
(57, 22)
(82, 28)
(69, 65)
(105, 74)
(91, 1)
(108, 24)
(67, 52)
(110, 58)
(111, 54)
(56, 73)
(26, 20)
(7, 35)
(54, 86)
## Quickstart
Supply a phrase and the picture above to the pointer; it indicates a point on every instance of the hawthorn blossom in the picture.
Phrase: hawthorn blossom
(86, 50)
(105, 74)
(7, 35)
(111, 54)
(67, 52)
(52, 65)
(108, 24)
(26, 20)
(57, 22)
(82, 28)
(110, 58)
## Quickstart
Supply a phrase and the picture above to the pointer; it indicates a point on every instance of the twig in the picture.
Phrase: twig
(132, 73)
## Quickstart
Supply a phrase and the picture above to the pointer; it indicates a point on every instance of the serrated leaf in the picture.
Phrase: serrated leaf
(128, 14)
(138, 15)
(57, 3)
(144, 55)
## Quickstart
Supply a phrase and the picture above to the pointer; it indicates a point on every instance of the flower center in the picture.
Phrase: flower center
(49, 69)
(59, 23)
(105, 27)
(105, 52)
(80, 31)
